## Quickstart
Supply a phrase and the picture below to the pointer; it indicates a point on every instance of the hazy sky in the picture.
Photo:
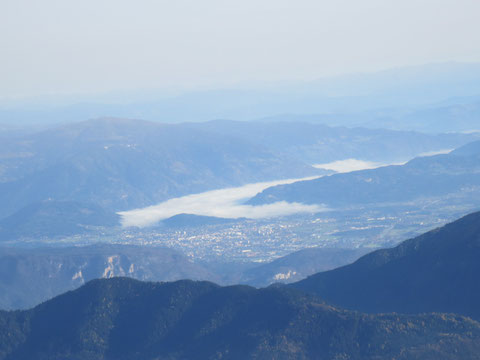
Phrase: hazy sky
(82, 46)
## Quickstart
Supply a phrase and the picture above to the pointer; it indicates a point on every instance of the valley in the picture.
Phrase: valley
(249, 240)
(250, 180)
(88, 199)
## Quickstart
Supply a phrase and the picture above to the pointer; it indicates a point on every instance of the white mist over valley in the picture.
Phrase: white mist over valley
(229, 202)
(223, 203)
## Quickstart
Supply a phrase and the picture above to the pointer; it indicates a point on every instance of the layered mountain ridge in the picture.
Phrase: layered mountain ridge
(420, 280)
(437, 271)
(434, 176)
(29, 276)
(125, 319)
(122, 164)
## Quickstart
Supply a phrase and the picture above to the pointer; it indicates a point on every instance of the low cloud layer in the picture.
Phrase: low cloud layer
(347, 165)
(226, 203)
(438, 152)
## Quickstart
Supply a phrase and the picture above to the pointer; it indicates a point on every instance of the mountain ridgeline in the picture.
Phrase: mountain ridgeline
(430, 283)
(120, 164)
(29, 276)
(441, 97)
(122, 318)
(435, 272)
(435, 176)
(422, 279)
(315, 143)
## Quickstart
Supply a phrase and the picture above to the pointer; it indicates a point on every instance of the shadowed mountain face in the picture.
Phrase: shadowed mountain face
(457, 172)
(122, 164)
(125, 319)
(437, 271)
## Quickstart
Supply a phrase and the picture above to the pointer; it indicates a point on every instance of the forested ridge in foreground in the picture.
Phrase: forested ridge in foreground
(122, 318)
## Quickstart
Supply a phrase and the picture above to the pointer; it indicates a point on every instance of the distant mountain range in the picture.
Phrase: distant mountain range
(126, 319)
(306, 139)
(443, 96)
(457, 114)
(436, 176)
(123, 164)
(435, 272)
(119, 164)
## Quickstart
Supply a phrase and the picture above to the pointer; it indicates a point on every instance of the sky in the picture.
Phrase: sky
(62, 47)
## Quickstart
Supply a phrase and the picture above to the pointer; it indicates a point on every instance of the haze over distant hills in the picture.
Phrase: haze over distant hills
(120, 164)
(458, 114)
(395, 98)
(316, 143)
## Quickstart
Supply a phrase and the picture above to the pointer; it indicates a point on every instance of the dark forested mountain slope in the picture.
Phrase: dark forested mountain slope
(422, 177)
(437, 271)
(125, 319)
